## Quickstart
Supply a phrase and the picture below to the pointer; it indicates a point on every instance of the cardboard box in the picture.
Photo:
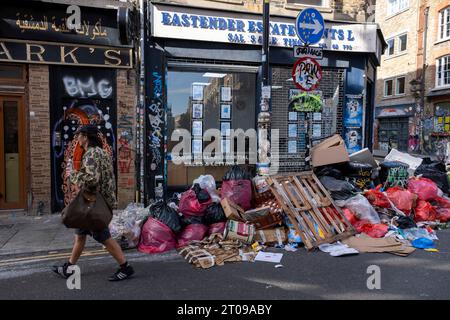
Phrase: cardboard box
(232, 210)
(263, 218)
(236, 230)
(364, 156)
(272, 236)
(330, 151)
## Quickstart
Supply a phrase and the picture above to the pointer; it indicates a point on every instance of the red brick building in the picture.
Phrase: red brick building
(53, 79)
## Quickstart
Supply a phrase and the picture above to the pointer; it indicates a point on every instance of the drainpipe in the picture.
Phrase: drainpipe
(264, 115)
(422, 82)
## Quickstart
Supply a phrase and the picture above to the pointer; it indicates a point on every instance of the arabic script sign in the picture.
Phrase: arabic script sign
(47, 22)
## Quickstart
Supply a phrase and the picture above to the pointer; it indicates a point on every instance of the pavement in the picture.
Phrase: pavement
(23, 234)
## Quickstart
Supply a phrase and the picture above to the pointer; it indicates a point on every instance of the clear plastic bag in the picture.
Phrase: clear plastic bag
(363, 209)
(208, 183)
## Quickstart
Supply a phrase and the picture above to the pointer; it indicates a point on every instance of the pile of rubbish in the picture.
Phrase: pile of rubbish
(347, 205)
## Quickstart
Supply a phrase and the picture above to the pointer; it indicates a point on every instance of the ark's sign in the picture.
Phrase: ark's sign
(68, 54)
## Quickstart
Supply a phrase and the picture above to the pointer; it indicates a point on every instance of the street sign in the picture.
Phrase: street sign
(310, 26)
(306, 74)
(266, 92)
(309, 52)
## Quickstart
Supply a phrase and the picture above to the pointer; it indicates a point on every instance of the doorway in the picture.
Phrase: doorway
(12, 153)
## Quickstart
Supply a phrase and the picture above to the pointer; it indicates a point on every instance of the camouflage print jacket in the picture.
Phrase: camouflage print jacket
(97, 171)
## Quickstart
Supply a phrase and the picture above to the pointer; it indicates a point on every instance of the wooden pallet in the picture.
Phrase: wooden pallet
(310, 208)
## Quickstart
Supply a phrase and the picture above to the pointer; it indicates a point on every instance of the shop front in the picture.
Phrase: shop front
(52, 80)
(203, 79)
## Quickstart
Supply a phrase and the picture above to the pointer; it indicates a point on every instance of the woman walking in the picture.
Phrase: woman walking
(96, 172)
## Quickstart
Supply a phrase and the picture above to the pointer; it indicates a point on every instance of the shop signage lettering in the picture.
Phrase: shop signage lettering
(49, 22)
(306, 74)
(187, 24)
(32, 52)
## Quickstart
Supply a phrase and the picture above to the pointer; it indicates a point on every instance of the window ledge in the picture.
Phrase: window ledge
(291, 6)
(442, 41)
(396, 14)
(397, 96)
(396, 55)
(439, 88)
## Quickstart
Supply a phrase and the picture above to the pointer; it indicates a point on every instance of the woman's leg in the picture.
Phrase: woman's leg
(115, 250)
(78, 247)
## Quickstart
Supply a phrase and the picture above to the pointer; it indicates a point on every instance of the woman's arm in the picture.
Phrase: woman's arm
(89, 174)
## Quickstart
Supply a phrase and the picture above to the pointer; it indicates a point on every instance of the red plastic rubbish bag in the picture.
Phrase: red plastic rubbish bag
(190, 206)
(443, 214)
(238, 191)
(424, 211)
(441, 202)
(378, 230)
(190, 233)
(351, 217)
(377, 198)
(402, 199)
(156, 237)
(425, 188)
(218, 227)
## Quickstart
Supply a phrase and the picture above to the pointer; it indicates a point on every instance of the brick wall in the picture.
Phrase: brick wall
(330, 122)
(39, 138)
(126, 135)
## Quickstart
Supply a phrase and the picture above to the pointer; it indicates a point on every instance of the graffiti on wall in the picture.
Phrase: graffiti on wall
(126, 138)
(155, 118)
(79, 97)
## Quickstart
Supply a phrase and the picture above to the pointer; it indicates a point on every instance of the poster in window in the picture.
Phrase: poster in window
(317, 116)
(197, 146)
(225, 128)
(225, 111)
(353, 112)
(197, 111)
(292, 116)
(353, 139)
(317, 130)
(197, 128)
(292, 146)
(197, 92)
(225, 94)
(292, 132)
(226, 146)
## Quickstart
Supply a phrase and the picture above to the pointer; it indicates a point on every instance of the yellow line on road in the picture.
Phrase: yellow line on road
(49, 257)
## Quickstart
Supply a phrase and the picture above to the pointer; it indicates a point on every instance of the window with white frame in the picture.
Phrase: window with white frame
(391, 47)
(443, 71)
(388, 87)
(400, 85)
(395, 6)
(402, 43)
(318, 3)
(444, 24)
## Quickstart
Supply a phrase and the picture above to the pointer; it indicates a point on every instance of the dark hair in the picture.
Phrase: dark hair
(91, 132)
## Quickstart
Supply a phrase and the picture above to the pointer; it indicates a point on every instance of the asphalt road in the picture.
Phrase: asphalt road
(305, 275)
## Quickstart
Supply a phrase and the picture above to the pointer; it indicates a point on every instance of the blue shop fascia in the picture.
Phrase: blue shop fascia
(220, 52)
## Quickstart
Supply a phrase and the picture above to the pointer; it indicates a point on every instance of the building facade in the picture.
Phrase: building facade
(412, 111)
(203, 67)
(52, 80)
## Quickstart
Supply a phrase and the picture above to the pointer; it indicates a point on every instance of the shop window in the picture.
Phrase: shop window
(444, 24)
(318, 3)
(391, 47)
(402, 43)
(202, 100)
(393, 133)
(400, 86)
(443, 71)
(11, 73)
(388, 88)
(396, 6)
(442, 118)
